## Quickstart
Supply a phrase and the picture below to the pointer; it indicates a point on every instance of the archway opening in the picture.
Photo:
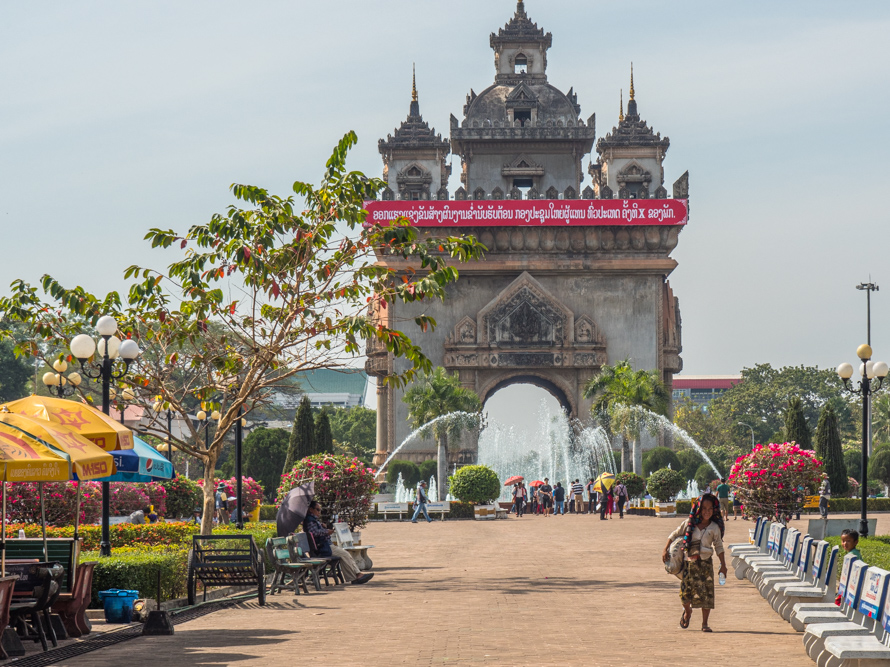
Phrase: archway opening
(529, 432)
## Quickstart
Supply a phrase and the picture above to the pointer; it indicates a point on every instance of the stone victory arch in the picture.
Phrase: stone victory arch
(572, 280)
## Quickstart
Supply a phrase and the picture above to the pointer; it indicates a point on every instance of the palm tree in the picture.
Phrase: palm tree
(880, 419)
(616, 392)
(436, 395)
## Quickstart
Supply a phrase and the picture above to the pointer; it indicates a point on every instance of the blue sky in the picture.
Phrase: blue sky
(116, 117)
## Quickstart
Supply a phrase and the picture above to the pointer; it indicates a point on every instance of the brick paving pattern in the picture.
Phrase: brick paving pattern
(569, 590)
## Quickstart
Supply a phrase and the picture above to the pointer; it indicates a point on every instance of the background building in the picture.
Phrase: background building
(702, 389)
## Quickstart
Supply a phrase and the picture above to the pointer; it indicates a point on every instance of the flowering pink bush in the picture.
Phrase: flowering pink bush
(774, 479)
(157, 496)
(253, 492)
(343, 486)
(126, 498)
(60, 500)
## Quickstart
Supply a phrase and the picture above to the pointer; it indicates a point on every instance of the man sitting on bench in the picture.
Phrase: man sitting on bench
(320, 540)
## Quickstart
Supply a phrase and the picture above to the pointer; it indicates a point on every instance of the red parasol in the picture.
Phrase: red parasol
(537, 482)
(513, 480)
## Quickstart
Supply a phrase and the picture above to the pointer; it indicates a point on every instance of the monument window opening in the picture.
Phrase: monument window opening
(520, 65)
(522, 115)
(523, 185)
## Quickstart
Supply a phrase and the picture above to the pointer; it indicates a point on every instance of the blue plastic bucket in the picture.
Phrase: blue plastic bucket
(118, 605)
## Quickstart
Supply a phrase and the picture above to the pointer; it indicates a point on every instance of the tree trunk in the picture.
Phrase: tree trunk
(441, 468)
(626, 465)
(638, 455)
(209, 495)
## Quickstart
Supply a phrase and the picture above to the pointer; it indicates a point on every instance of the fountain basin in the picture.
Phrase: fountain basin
(666, 509)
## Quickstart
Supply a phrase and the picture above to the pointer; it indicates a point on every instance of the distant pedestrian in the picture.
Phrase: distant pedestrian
(621, 498)
(610, 495)
(723, 496)
(420, 501)
(603, 499)
(221, 502)
(824, 496)
(559, 497)
(578, 494)
(545, 496)
(533, 499)
(591, 497)
(518, 498)
(736, 506)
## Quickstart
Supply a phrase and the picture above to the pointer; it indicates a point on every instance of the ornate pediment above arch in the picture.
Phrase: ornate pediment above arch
(522, 165)
(525, 314)
(633, 172)
(586, 332)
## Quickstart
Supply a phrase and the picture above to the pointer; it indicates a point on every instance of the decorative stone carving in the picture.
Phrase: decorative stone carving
(552, 193)
(464, 333)
(661, 192)
(525, 314)
(515, 193)
(586, 331)
(497, 193)
(460, 194)
(478, 194)
(442, 194)
(681, 186)
(522, 166)
(533, 193)
(570, 193)
(588, 193)
(387, 194)
(605, 192)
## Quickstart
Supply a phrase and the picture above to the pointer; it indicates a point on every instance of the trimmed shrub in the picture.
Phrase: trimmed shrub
(828, 448)
(658, 458)
(635, 484)
(664, 484)
(136, 568)
(343, 486)
(183, 496)
(410, 473)
(428, 469)
(268, 512)
(461, 510)
(475, 484)
(684, 507)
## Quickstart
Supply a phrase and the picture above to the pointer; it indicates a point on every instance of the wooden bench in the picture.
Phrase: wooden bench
(359, 552)
(225, 560)
(72, 607)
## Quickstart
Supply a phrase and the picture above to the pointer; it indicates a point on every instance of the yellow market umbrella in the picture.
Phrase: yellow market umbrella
(81, 418)
(604, 482)
(90, 461)
(26, 459)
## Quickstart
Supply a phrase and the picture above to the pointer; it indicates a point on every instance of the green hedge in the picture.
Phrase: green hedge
(268, 512)
(854, 504)
(875, 550)
(137, 570)
(458, 510)
(684, 507)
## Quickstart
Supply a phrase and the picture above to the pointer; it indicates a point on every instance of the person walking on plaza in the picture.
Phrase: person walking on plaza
(702, 535)
(545, 496)
(321, 547)
(221, 503)
(559, 497)
(533, 499)
(591, 497)
(518, 498)
(578, 495)
(824, 496)
(603, 499)
(610, 498)
(621, 497)
(420, 502)
(723, 496)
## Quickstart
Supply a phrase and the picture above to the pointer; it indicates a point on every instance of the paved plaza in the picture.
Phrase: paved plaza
(567, 590)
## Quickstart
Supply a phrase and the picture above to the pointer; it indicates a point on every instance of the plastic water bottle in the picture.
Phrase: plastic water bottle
(21, 533)
(722, 579)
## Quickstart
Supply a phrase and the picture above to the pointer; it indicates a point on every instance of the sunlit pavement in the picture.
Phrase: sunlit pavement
(568, 590)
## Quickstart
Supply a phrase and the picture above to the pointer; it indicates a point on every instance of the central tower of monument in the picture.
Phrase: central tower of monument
(566, 286)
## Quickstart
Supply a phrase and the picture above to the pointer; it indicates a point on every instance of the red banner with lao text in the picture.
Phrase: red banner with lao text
(531, 212)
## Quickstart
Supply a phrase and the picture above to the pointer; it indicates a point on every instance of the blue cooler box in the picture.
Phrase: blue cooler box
(118, 605)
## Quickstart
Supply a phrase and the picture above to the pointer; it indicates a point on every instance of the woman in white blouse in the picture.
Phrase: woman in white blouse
(703, 533)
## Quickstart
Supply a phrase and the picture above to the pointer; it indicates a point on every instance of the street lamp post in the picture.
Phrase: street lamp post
(239, 439)
(752, 432)
(58, 384)
(869, 370)
(111, 349)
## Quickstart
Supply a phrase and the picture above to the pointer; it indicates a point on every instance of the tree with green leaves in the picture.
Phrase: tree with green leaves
(796, 428)
(878, 467)
(264, 452)
(324, 441)
(435, 395)
(658, 458)
(355, 429)
(880, 419)
(302, 436)
(15, 373)
(273, 287)
(621, 396)
(828, 448)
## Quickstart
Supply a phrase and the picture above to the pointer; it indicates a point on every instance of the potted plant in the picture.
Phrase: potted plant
(478, 485)
(664, 485)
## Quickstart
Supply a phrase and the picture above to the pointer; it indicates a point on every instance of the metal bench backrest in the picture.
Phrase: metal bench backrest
(303, 542)
(874, 592)
(61, 550)
(847, 567)
(854, 584)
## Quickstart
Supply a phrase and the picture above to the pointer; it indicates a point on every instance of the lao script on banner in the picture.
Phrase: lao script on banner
(535, 212)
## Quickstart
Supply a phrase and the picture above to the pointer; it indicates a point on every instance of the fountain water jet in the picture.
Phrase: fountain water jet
(471, 420)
